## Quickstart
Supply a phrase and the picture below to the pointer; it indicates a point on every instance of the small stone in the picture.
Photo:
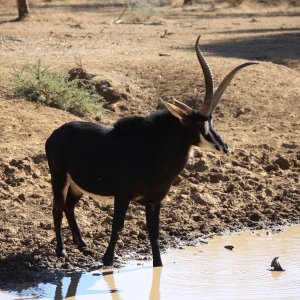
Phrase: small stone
(196, 218)
(235, 163)
(283, 163)
(215, 178)
(289, 145)
(229, 247)
(255, 217)
(22, 197)
(230, 188)
(200, 165)
(47, 226)
(269, 192)
(269, 168)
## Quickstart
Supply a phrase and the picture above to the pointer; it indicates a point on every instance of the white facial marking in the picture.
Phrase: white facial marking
(204, 144)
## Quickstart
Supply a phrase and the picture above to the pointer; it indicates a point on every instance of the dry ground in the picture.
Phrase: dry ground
(150, 54)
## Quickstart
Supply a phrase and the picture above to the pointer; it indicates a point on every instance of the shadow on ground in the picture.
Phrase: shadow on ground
(23, 271)
(212, 14)
(282, 48)
(87, 7)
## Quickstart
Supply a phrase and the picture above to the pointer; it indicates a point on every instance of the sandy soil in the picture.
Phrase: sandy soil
(150, 55)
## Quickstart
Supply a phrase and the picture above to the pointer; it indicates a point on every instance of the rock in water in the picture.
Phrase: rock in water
(229, 247)
(275, 265)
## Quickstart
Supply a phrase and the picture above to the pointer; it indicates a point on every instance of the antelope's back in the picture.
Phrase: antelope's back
(75, 138)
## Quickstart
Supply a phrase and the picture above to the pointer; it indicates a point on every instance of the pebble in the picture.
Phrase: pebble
(22, 197)
(229, 247)
(283, 163)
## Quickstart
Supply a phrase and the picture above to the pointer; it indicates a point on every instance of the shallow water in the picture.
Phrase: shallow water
(206, 272)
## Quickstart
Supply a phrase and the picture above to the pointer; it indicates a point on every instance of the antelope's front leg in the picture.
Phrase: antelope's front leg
(120, 208)
(152, 217)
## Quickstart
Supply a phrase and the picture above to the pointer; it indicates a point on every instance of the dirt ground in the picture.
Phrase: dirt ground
(147, 55)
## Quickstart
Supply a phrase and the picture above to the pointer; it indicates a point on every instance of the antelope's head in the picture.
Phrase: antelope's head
(199, 123)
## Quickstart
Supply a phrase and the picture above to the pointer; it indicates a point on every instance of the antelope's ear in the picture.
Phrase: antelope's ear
(175, 111)
(182, 105)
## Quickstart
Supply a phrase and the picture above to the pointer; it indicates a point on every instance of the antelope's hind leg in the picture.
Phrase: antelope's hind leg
(73, 196)
(59, 186)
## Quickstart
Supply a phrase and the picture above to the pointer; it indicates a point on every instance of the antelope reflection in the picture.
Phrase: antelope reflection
(109, 278)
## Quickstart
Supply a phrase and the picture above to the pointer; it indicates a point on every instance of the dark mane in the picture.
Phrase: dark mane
(128, 123)
(151, 122)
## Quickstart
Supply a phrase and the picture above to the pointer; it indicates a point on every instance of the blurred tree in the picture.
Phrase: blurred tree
(23, 9)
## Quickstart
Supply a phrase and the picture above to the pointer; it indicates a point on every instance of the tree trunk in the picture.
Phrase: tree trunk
(23, 9)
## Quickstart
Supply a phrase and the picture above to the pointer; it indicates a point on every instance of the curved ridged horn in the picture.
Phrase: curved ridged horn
(223, 85)
(209, 82)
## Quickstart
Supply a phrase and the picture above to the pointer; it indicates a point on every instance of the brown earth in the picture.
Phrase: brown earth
(150, 55)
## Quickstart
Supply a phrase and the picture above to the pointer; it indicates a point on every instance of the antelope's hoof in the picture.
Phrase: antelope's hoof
(107, 262)
(157, 264)
(81, 243)
(61, 253)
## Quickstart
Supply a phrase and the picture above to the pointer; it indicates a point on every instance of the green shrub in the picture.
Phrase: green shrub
(53, 88)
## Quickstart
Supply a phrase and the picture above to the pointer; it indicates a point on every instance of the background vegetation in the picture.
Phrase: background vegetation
(52, 88)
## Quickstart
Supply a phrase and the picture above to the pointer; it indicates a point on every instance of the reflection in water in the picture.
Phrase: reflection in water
(72, 289)
(207, 272)
(111, 284)
(277, 274)
(109, 278)
(155, 287)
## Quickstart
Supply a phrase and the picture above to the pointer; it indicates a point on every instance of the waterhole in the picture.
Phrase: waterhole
(210, 271)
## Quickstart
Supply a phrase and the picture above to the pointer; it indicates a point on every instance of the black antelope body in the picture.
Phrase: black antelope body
(137, 158)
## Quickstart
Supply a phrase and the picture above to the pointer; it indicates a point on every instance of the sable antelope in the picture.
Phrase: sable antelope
(137, 158)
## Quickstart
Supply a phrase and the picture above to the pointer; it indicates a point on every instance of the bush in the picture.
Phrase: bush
(53, 88)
